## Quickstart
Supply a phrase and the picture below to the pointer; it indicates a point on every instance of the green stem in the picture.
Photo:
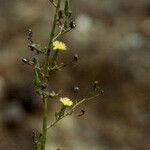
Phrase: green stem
(54, 24)
(45, 116)
(53, 3)
(66, 10)
(54, 58)
(46, 70)
(71, 111)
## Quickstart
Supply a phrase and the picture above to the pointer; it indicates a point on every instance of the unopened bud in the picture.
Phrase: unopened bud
(30, 33)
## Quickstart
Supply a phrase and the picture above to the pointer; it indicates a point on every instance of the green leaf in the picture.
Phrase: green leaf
(61, 112)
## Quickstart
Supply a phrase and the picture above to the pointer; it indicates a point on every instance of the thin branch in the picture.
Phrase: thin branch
(46, 69)
(53, 3)
(71, 111)
(60, 33)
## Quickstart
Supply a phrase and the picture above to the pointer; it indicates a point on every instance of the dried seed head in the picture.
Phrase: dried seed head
(96, 84)
(72, 24)
(102, 92)
(43, 86)
(70, 13)
(76, 88)
(31, 46)
(30, 33)
(24, 60)
(76, 57)
(82, 113)
(27, 61)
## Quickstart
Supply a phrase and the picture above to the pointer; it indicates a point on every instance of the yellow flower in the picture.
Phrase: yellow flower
(57, 45)
(66, 101)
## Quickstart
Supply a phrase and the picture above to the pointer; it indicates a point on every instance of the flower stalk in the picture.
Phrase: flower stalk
(46, 72)
(41, 72)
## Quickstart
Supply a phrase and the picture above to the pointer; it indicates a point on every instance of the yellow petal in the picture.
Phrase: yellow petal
(66, 101)
(57, 45)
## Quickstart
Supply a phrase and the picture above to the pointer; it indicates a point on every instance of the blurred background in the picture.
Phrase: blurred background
(112, 39)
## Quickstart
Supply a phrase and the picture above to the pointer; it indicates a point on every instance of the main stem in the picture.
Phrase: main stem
(46, 69)
(45, 116)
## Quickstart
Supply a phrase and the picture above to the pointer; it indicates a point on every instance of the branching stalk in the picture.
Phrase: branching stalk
(47, 58)
(46, 71)
(45, 115)
(51, 64)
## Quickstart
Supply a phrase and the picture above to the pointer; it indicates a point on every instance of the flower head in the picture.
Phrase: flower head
(66, 101)
(57, 45)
